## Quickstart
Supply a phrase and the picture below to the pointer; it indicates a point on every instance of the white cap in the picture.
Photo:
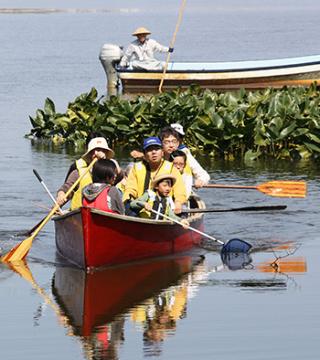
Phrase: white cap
(178, 128)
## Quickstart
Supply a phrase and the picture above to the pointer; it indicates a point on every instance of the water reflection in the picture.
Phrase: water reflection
(98, 308)
(155, 294)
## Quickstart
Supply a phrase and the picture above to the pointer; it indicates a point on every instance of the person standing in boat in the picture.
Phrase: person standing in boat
(158, 198)
(143, 172)
(97, 148)
(172, 137)
(140, 53)
(102, 194)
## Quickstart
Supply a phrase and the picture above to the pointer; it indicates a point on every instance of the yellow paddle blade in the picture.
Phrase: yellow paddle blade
(294, 189)
(293, 265)
(19, 252)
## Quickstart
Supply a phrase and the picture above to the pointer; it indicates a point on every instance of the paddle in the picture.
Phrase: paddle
(233, 245)
(246, 208)
(183, 3)
(20, 251)
(29, 232)
(295, 189)
(47, 190)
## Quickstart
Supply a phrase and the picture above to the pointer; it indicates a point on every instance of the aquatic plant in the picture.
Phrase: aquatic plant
(281, 123)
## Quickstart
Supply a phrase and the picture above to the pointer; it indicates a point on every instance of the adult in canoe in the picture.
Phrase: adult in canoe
(140, 53)
(172, 137)
(143, 173)
(97, 148)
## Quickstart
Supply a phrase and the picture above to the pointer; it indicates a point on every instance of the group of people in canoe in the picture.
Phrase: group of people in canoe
(159, 182)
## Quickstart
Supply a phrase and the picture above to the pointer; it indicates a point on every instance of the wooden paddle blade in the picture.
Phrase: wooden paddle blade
(19, 252)
(294, 189)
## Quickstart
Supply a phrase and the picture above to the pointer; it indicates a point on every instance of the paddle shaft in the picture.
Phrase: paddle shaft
(46, 188)
(20, 251)
(182, 6)
(55, 208)
(247, 208)
(29, 232)
(188, 227)
(220, 186)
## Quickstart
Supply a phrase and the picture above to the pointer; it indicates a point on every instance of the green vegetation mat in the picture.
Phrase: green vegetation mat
(274, 123)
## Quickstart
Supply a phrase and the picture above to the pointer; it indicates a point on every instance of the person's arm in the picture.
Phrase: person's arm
(116, 201)
(201, 177)
(61, 193)
(137, 155)
(136, 204)
(158, 47)
(131, 186)
(124, 62)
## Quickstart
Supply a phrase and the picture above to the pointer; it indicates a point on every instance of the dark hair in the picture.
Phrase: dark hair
(92, 135)
(167, 131)
(104, 171)
(177, 153)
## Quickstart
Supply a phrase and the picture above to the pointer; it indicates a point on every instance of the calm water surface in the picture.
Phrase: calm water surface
(190, 308)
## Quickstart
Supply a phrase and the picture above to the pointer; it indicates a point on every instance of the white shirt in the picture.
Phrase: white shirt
(198, 172)
(142, 52)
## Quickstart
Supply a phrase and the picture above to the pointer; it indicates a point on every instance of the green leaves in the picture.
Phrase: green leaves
(279, 123)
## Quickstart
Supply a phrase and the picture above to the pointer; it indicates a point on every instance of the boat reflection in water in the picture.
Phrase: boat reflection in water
(154, 294)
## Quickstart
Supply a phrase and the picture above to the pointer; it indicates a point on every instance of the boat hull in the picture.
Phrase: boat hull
(92, 238)
(135, 83)
(226, 76)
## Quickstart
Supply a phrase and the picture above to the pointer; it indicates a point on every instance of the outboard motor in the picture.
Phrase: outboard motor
(109, 56)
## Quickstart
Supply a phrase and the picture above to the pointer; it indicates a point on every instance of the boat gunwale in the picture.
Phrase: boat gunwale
(192, 217)
(225, 70)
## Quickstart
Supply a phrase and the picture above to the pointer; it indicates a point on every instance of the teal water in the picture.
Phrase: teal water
(204, 311)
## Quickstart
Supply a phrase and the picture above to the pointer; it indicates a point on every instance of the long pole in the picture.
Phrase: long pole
(173, 40)
(186, 226)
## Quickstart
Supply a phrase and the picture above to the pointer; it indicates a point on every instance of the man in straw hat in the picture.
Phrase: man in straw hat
(97, 148)
(140, 52)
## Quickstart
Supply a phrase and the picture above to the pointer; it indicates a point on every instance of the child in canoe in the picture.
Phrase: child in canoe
(179, 160)
(158, 199)
(101, 194)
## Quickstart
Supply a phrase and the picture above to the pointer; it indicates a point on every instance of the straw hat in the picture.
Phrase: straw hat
(161, 177)
(99, 143)
(141, 31)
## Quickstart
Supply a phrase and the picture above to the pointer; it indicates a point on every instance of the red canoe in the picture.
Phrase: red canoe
(91, 238)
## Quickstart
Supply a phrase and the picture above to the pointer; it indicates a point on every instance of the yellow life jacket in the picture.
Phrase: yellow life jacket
(144, 180)
(161, 205)
(188, 179)
(187, 170)
(76, 200)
